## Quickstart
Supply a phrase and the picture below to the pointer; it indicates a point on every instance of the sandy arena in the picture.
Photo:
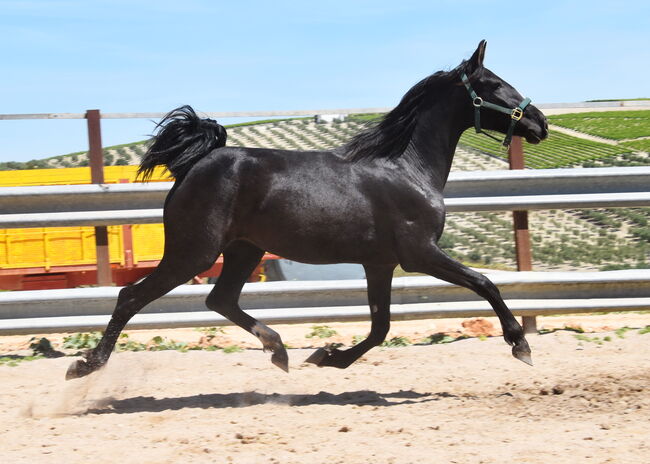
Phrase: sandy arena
(463, 402)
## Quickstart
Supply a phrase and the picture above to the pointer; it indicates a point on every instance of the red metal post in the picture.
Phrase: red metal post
(96, 157)
(520, 223)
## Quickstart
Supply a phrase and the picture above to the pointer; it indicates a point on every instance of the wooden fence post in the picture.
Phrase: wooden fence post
(520, 225)
(96, 157)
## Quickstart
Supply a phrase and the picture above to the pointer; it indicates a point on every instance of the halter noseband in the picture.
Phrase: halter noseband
(515, 113)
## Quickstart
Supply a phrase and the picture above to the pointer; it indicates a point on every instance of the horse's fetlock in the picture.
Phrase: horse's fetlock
(378, 338)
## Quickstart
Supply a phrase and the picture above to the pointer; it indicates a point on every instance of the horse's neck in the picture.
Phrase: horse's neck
(435, 138)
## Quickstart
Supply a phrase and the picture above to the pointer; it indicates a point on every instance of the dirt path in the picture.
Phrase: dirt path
(464, 402)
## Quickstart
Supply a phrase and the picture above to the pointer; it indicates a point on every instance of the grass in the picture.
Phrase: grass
(124, 343)
(596, 340)
(568, 328)
(560, 150)
(438, 338)
(620, 333)
(82, 341)
(365, 117)
(159, 343)
(626, 159)
(616, 125)
(265, 121)
(638, 145)
(321, 331)
(396, 342)
(232, 349)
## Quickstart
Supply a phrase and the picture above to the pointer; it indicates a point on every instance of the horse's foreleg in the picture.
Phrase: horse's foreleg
(438, 264)
(379, 287)
(239, 261)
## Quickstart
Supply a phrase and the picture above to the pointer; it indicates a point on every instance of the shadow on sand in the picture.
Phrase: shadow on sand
(245, 399)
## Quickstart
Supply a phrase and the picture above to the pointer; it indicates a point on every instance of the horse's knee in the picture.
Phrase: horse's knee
(125, 293)
(220, 303)
(485, 287)
(214, 304)
(211, 303)
(127, 304)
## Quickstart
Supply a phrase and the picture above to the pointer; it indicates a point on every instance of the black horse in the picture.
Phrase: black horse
(376, 201)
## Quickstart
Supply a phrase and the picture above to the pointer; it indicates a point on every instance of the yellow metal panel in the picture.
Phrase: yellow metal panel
(60, 246)
(55, 246)
(44, 177)
(72, 176)
(115, 244)
(148, 242)
(24, 247)
(4, 248)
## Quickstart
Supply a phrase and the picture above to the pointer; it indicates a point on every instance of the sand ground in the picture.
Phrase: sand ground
(463, 402)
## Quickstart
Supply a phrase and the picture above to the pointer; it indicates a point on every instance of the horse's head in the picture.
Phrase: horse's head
(497, 105)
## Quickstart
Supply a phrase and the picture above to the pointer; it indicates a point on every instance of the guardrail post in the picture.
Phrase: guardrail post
(96, 157)
(520, 225)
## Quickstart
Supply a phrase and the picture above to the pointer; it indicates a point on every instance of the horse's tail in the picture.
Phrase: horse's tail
(181, 140)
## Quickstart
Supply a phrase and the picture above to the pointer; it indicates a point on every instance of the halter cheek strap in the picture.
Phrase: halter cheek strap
(515, 113)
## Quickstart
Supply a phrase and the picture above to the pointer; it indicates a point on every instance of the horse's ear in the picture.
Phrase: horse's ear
(476, 61)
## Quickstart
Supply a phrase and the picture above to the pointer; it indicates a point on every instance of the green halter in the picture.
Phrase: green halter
(515, 113)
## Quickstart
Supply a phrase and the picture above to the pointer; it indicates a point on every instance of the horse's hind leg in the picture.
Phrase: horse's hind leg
(174, 269)
(239, 260)
(379, 287)
(435, 262)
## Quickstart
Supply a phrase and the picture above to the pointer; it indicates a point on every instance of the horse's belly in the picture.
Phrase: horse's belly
(325, 240)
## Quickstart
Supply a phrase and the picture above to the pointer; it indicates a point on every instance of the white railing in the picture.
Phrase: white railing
(114, 204)
(526, 293)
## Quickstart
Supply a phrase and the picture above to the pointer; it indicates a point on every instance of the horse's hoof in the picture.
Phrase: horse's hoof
(522, 353)
(78, 369)
(330, 357)
(317, 356)
(280, 358)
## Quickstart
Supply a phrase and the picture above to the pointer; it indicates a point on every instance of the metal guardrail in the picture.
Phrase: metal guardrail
(567, 181)
(525, 308)
(78, 198)
(114, 204)
(85, 218)
(293, 302)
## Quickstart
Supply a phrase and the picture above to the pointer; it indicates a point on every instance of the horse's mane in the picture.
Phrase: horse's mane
(390, 137)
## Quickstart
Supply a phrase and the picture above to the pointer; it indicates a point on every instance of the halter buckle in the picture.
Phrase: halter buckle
(477, 102)
(517, 114)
